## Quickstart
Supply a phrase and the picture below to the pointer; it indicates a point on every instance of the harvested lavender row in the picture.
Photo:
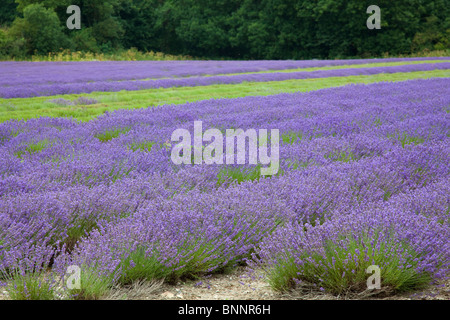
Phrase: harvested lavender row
(24, 90)
(73, 72)
(357, 165)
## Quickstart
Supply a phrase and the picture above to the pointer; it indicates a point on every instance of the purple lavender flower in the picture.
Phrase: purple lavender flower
(364, 177)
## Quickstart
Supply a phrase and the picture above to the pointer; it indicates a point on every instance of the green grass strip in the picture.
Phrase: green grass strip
(27, 108)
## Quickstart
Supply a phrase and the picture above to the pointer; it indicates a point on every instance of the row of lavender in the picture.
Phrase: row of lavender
(73, 72)
(49, 88)
(363, 167)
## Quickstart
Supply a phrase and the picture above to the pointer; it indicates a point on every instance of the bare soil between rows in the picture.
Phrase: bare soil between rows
(237, 285)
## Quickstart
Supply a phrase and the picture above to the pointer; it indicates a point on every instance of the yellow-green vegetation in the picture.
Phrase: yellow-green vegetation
(120, 55)
(110, 134)
(143, 146)
(27, 108)
(33, 148)
(405, 139)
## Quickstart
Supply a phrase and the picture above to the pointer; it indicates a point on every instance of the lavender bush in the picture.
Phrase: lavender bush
(410, 249)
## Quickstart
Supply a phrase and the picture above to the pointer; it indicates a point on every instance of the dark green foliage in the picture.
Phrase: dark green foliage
(235, 29)
(8, 12)
(138, 19)
(41, 30)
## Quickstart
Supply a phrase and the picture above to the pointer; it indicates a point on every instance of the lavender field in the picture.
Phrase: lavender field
(363, 180)
(63, 79)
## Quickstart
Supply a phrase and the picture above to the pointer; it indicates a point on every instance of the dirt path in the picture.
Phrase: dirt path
(236, 286)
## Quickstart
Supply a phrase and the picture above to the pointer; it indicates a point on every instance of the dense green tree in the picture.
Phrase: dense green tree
(100, 15)
(104, 28)
(203, 26)
(49, 4)
(238, 29)
(41, 30)
(8, 12)
(138, 19)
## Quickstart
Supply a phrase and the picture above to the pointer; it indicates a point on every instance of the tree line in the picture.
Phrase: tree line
(229, 29)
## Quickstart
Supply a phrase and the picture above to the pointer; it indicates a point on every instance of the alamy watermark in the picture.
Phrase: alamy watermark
(374, 281)
(74, 280)
(74, 21)
(213, 153)
(374, 21)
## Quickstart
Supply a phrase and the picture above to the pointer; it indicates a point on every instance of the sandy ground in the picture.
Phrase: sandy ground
(238, 286)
